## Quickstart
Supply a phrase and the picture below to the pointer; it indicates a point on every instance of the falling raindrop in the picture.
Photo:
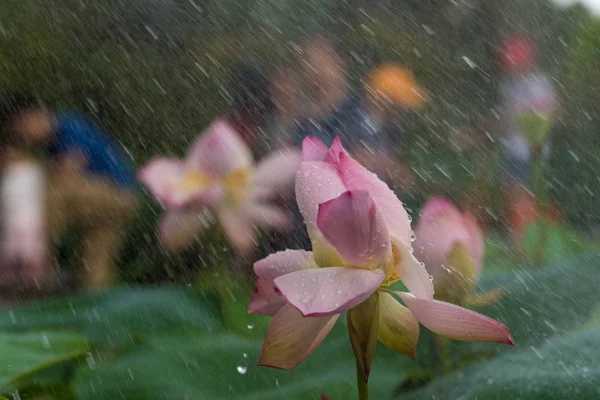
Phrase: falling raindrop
(469, 62)
(45, 341)
(428, 29)
(90, 360)
(242, 367)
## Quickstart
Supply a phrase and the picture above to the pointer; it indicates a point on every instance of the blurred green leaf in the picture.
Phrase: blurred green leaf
(197, 345)
(547, 309)
(535, 127)
(120, 314)
(561, 241)
(53, 391)
(559, 367)
(214, 366)
(234, 291)
(26, 354)
(552, 314)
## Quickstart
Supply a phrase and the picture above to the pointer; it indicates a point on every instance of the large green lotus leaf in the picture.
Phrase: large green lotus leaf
(24, 355)
(558, 367)
(223, 366)
(540, 302)
(545, 308)
(552, 314)
(119, 314)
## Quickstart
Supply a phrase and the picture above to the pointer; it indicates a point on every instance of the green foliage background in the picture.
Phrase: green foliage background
(154, 73)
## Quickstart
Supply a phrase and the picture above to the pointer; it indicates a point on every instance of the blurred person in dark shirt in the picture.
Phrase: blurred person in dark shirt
(391, 91)
(92, 184)
(252, 108)
(368, 123)
(323, 105)
(285, 93)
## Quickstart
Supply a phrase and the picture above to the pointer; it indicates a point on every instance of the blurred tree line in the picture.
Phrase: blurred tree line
(155, 72)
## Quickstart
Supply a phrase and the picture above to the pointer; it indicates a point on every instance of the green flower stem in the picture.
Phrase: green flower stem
(444, 353)
(363, 386)
(540, 195)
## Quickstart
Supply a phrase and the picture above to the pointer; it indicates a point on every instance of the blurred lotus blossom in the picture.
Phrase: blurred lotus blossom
(219, 178)
(361, 243)
(451, 244)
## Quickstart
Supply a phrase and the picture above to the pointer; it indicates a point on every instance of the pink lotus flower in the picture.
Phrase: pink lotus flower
(361, 241)
(441, 227)
(451, 244)
(218, 178)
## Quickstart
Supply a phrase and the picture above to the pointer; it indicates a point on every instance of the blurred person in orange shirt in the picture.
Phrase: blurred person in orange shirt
(391, 92)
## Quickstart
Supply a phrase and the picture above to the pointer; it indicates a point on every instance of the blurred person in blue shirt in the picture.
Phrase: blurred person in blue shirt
(92, 185)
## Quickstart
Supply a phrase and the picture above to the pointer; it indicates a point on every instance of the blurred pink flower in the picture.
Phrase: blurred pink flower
(219, 178)
(451, 244)
(441, 227)
(361, 242)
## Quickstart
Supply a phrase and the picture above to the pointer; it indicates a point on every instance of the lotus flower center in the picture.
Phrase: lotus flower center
(391, 268)
(194, 181)
(236, 185)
